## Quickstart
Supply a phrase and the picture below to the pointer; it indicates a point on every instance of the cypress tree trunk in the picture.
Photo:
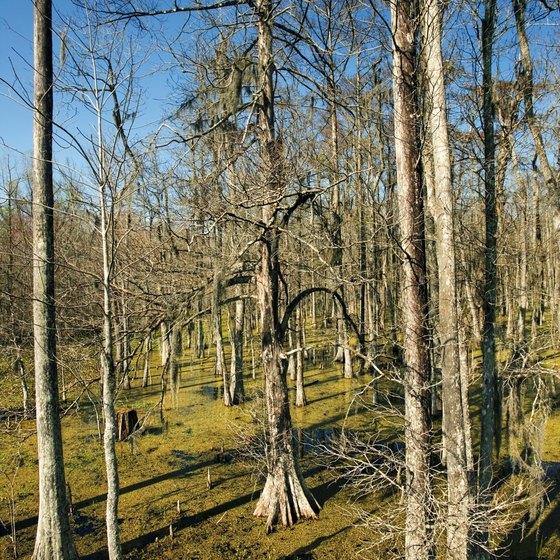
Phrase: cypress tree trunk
(489, 377)
(237, 385)
(285, 497)
(220, 367)
(54, 539)
(301, 399)
(452, 390)
(419, 543)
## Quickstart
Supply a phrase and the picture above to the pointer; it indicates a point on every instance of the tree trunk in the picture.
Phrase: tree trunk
(419, 542)
(285, 497)
(237, 385)
(200, 344)
(452, 391)
(301, 399)
(147, 349)
(107, 359)
(489, 376)
(175, 352)
(165, 344)
(220, 366)
(54, 539)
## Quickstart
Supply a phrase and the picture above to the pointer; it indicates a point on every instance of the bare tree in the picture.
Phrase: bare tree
(454, 406)
(54, 539)
(285, 497)
(419, 543)
(489, 374)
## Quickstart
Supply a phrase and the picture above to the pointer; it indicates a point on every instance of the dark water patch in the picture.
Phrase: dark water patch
(210, 391)
(86, 525)
(551, 470)
(182, 455)
(154, 430)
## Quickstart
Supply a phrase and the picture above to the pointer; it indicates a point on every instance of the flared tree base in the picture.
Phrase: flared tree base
(285, 500)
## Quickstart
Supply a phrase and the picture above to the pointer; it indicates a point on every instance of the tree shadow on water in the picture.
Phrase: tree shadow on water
(322, 492)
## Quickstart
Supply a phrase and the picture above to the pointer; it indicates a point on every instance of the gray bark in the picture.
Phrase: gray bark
(301, 399)
(489, 376)
(419, 543)
(220, 366)
(285, 497)
(237, 386)
(54, 539)
(108, 361)
(452, 391)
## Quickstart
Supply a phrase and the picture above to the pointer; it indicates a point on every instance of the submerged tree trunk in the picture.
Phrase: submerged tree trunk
(54, 539)
(285, 497)
(419, 542)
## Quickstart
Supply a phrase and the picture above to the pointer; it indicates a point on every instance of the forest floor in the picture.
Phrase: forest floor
(166, 507)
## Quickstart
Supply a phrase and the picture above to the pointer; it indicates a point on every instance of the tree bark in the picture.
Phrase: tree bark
(285, 497)
(237, 385)
(419, 543)
(301, 399)
(489, 376)
(107, 357)
(220, 366)
(452, 390)
(54, 539)
(146, 378)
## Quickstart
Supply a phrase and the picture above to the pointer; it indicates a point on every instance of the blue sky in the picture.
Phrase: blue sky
(16, 59)
(16, 49)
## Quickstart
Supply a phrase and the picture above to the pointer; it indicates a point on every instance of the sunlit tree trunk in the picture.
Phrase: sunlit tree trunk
(54, 539)
(109, 388)
(237, 385)
(452, 393)
(419, 543)
(220, 365)
(285, 497)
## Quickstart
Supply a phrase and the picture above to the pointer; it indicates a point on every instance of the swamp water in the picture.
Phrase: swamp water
(164, 473)
(166, 509)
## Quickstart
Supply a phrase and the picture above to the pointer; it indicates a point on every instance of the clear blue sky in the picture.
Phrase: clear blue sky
(16, 59)
(16, 49)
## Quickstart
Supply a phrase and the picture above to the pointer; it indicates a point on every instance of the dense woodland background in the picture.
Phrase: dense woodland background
(369, 188)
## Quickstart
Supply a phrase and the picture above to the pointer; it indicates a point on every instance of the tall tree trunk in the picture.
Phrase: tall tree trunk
(301, 399)
(54, 539)
(527, 84)
(237, 385)
(419, 542)
(147, 350)
(489, 375)
(109, 387)
(175, 352)
(220, 366)
(452, 391)
(107, 356)
(285, 497)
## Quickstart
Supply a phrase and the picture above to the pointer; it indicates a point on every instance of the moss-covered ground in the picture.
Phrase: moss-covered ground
(166, 507)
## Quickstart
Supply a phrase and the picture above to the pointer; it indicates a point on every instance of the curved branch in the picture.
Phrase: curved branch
(283, 327)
